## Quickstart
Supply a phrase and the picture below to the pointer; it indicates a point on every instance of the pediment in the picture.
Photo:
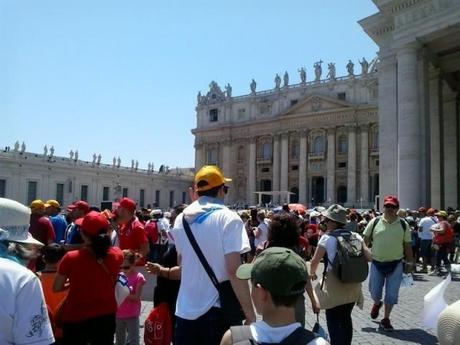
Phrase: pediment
(317, 103)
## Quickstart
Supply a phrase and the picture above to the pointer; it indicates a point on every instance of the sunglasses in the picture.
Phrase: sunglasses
(390, 206)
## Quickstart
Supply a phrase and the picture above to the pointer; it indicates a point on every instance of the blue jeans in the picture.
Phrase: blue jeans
(391, 281)
(208, 329)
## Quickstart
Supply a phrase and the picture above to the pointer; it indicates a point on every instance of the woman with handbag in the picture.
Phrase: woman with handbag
(88, 313)
(337, 298)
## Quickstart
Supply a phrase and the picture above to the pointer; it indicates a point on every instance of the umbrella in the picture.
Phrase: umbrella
(297, 207)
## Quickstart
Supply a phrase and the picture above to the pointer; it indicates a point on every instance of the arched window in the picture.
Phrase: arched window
(295, 149)
(343, 145)
(267, 151)
(318, 144)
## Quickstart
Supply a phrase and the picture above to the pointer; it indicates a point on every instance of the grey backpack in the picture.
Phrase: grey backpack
(350, 264)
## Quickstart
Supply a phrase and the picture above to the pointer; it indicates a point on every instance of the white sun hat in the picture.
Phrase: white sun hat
(14, 222)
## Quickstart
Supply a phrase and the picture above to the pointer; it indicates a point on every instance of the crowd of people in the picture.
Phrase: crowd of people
(61, 266)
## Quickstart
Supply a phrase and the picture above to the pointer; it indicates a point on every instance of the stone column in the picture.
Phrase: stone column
(330, 166)
(450, 147)
(435, 96)
(364, 178)
(409, 152)
(284, 163)
(226, 164)
(276, 167)
(303, 168)
(199, 155)
(388, 129)
(251, 185)
(351, 166)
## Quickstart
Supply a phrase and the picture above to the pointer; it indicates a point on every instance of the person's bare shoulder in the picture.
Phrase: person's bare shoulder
(227, 338)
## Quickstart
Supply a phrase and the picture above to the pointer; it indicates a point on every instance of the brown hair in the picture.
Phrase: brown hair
(129, 255)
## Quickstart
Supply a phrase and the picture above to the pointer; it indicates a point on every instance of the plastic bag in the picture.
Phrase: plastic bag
(407, 280)
(318, 329)
(434, 304)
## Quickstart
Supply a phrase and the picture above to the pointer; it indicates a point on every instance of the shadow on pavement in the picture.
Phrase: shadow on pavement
(416, 336)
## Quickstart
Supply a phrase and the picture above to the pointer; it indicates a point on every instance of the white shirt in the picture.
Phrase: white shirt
(330, 244)
(222, 232)
(263, 233)
(264, 333)
(23, 314)
(425, 224)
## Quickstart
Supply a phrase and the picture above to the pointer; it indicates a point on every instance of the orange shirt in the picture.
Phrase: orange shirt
(52, 299)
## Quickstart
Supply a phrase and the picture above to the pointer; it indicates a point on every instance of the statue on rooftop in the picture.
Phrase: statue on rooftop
(114, 161)
(331, 74)
(228, 88)
(277, 81)
(118, 161)
(16, 146)
(136, 165)
(198, 97)
(303, 75)
(76, 155)
(99, 157)
(94, 158)
(23, 147)
(71, 154)
(286, 79)
(253, 86)
(51, 151)
(364, 66)
(350, 68)
(45, 150)
(318, 70)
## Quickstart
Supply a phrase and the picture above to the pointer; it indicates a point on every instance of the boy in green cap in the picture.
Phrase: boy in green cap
(278, 277)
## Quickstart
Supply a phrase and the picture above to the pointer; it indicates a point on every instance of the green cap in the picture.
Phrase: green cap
(278, 270)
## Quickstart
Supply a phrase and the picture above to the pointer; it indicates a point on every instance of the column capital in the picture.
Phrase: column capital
(284, 135)
(351, 127)
(364, 126)
(410, 48)
(330, 130)
(303, 133)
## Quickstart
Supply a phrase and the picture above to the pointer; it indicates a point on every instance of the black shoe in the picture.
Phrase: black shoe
(385, 324)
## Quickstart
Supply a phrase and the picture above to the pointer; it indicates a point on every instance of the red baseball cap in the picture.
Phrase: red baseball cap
(93, 223)
(81, 205)
(391, 200)
(128, 203)
(431, 212)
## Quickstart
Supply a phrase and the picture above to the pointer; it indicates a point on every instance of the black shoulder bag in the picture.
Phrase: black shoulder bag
(231, 309)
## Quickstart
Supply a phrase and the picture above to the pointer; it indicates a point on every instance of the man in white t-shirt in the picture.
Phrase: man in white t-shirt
(427, 220)
(278, 277)
(23, 313)
(261, 232)
(221, 236)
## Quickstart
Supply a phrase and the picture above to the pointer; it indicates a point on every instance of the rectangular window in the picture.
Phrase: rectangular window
(142, 197)
(2, 188)
(125, 192)
(184, 197)
(157, 198)
(294, 167)
(293, 102)
(60, 193)
(342, 165)
(171, 198)
(266, 170)
(241, 113)
(106, 193)
(342, 96)
(31, 191)
(213, 115)
(84, 192)
(377, 163)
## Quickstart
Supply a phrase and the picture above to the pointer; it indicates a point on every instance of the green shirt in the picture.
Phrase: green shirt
(387, 239)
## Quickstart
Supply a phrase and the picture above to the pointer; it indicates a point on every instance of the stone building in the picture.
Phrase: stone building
(419, 83)
(25, 176)
(316, 139)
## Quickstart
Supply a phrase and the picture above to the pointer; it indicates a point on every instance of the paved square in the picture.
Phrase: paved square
(406, 316)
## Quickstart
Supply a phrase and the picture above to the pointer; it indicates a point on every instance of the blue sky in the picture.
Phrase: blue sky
(121, 77)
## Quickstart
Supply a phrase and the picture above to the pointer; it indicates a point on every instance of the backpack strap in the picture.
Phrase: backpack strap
(374, 224)
(300, 336)
(242, 335)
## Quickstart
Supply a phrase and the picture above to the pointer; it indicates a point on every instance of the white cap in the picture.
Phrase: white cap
(14, 222)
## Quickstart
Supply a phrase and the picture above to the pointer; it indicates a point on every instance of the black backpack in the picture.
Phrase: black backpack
(349, 265)
(241, 335)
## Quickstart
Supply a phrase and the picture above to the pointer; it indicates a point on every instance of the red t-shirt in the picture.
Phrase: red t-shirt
(132, 236)
(41, 229)
(92, 291)
(151, 231)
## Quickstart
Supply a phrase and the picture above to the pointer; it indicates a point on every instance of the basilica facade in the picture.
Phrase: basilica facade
(317, 140)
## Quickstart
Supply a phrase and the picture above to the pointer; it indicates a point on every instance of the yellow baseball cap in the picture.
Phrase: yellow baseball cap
(36, 204)
(52, 203)
(208, 177)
